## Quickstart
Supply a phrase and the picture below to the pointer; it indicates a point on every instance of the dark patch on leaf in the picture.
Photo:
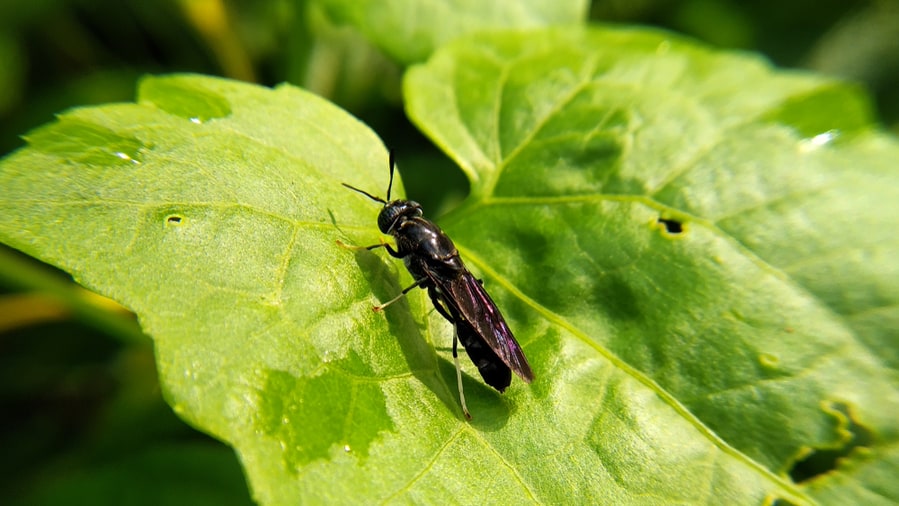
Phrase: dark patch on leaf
(311, 415)
(825, 460)
(616, 297)
(782, 502)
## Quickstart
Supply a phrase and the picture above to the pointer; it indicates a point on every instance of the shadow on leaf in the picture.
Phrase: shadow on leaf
(418, 353)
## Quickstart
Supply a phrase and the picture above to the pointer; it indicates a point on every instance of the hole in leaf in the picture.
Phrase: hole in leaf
(824, 460)
(174, 219)
(671, 226)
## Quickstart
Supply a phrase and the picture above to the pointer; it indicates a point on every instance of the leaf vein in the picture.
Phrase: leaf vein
(427, 467)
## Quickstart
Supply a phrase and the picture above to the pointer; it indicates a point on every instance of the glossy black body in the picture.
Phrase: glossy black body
(432, 259)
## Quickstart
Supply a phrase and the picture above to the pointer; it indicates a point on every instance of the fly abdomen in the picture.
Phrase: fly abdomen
(492, 369)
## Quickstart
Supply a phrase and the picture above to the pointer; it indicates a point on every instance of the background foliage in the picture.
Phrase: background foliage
(80, 378)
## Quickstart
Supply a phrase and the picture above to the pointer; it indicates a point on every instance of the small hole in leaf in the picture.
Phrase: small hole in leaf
(671, 226)
(174, 219)
(824, 460)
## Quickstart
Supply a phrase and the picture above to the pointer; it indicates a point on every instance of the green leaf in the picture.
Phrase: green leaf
(410, 30)
(211, 209)
(672, 367)
(717, 236)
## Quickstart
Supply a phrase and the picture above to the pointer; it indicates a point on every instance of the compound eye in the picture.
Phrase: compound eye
(389, 215)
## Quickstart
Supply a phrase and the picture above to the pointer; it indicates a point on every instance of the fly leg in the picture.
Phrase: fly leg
(459, 371)
(406, 290)
(438, 305)
(394, 254)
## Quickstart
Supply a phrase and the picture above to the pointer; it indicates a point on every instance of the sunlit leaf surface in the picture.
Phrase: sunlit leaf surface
(696, 253)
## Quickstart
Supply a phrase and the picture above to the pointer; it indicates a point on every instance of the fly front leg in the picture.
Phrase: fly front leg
(394, 253)
(418, 283)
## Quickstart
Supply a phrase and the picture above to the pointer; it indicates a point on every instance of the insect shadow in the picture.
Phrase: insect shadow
(418, 352)
(438, 374)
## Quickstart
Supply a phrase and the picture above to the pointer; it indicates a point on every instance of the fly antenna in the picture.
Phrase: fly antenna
(392, 162)
(392, 165)
(363, 192)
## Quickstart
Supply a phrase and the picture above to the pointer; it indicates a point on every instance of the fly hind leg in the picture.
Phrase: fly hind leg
(438, 305)
(459, 371)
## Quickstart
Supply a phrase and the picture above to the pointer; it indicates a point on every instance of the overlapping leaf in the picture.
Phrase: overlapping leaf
(723, 229)
(410, 30)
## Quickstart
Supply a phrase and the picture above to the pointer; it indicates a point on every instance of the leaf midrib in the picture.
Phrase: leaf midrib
(634, 373)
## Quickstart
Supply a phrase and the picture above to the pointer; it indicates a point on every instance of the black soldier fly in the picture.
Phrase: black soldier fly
(432, 259)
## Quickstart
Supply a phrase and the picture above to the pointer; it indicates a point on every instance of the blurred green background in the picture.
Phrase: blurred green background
(83, 418)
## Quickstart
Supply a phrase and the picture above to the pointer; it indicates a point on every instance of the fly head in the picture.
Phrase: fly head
(397, 212)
